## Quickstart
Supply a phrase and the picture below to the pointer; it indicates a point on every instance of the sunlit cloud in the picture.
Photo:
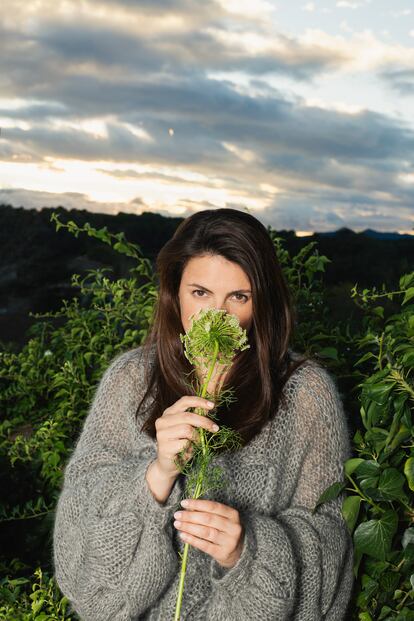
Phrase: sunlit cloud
(95, 127)
(347, 4)
(247, 8)
(351, 4)
(363, 51)
(244, 154)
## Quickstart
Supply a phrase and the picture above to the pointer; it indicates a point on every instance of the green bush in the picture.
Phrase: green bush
(43, 603)
(47, 387)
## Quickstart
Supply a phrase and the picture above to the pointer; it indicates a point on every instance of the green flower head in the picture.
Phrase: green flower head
(214, 332)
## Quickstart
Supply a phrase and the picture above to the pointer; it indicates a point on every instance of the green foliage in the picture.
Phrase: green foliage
(379, 507)
(47, 387)
(315, 334)
(44, 602)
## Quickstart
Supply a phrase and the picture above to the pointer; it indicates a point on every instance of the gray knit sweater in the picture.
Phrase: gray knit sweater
(115, 548)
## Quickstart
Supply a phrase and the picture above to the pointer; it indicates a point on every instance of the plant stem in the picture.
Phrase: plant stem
(197, 489)
(356, 488)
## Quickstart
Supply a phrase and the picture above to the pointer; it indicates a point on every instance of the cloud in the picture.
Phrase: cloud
(226, 139)
(59, 49)
(183, 99)
(309, 6)
(347, 4)
(205, 114)
(401, 80)
(361, 51)
(291, 213)
(55, 50)
(352, 4)
(69, 200)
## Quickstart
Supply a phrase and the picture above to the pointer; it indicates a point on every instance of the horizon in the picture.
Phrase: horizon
(300, 114)
(298, 233)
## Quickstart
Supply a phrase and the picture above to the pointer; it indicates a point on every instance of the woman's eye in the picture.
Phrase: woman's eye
(241, 298)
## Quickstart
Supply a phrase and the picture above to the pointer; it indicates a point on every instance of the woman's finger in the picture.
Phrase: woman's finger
(186, 418)
(208, 533)
(207, 520)
(188, 401)
(211, 506)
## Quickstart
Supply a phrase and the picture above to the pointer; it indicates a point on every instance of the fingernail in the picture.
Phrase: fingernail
(210, 403)
(185, 503)
(215, 427)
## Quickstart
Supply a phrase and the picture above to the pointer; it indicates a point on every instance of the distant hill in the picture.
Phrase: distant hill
(367, 233)
(380, 235)
(36, 261)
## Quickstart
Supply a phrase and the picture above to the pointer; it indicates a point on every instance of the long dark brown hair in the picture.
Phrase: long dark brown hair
(258, 374)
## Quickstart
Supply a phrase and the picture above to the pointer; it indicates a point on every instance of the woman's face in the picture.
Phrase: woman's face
(211, 281)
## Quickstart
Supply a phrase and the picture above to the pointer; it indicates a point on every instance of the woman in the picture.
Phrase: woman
(258, 551)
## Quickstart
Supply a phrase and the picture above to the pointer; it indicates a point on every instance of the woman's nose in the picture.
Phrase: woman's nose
(222, 306)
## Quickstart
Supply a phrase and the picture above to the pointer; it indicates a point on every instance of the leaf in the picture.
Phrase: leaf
(406, 280)
(352, 464)
(369, 486)
(377, 438)
(379, 311)
(409, 472)
(350, 510)
(88, 356)
(330, 493)
(379, 393)
(374, 414)
(390, 485)
(402, 434)
(36, 606)
(408, 537)
(328, 352)
(408, 359)
(17, 581)
(374, 537)
(409, 294)
(122, 248)
(369, 468)
(103, 234)
(385, 611)
(365, 357)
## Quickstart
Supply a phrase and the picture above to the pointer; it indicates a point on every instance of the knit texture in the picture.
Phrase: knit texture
(115, 549)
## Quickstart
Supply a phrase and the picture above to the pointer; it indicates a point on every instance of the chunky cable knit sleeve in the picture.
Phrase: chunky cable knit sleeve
(112, 549)
(296, 565)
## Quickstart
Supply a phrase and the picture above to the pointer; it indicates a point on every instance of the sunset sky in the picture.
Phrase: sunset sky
(301, 112)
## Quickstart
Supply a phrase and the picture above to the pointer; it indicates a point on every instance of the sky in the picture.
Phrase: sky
(298, 112)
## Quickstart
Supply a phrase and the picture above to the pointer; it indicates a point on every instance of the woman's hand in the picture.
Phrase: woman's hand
(212, 527)
(175, 430)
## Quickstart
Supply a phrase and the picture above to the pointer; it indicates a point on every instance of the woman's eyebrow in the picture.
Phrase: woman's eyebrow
(194, 284)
